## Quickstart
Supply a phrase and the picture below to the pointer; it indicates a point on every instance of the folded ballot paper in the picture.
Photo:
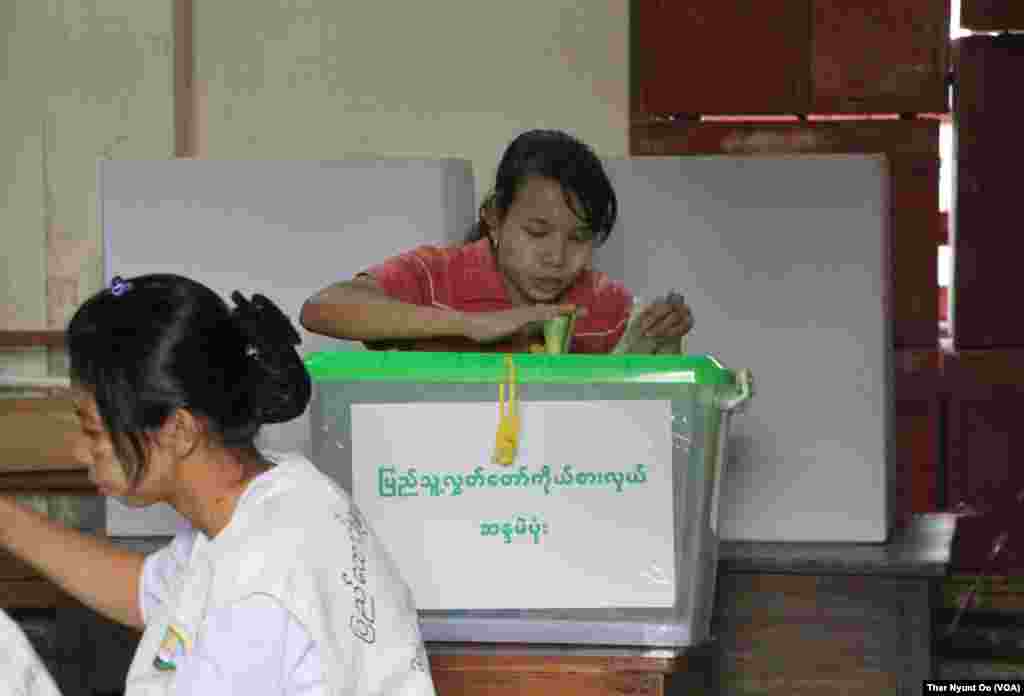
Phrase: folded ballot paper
(633, 341)
(558, 333)
(22, 672)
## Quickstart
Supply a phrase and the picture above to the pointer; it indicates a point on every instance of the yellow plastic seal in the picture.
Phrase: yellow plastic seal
(506, 441)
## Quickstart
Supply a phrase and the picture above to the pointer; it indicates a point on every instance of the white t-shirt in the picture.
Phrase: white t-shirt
(296, 575)
(278, 656)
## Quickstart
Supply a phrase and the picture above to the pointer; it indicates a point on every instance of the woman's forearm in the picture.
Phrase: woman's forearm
(99, 574)
(358, 311)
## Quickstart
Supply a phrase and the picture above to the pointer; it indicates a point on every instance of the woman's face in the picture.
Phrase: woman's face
(95, 449)
(541, 244)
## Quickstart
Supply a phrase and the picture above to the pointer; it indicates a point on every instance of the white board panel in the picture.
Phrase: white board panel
(281, 228)
(783, 261)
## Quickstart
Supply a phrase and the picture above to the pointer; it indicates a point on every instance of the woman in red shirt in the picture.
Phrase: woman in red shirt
(527, 260)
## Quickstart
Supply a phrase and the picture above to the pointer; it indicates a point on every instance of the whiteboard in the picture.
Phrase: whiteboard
(282, 228)
(783, 261)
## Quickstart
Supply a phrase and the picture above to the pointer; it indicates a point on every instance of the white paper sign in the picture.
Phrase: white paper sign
(583, 518)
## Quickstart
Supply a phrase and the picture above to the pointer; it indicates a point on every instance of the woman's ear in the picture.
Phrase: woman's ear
(182, 432)
(491, 222)
(489, 216)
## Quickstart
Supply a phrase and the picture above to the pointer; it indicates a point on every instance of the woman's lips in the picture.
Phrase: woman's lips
(547, 285)
(103, 488)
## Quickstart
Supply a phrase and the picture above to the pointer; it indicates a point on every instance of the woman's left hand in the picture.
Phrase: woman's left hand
(667, 318)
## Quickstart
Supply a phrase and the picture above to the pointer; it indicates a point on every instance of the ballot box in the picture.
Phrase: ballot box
(537, 498)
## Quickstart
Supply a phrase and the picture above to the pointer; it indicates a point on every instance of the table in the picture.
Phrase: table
(789, 619)
(814, 618)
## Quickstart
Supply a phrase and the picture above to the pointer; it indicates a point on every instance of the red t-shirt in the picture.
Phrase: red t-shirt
(466, 279)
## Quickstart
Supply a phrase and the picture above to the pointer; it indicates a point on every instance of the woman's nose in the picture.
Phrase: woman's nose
(554, 252)
(81, 450)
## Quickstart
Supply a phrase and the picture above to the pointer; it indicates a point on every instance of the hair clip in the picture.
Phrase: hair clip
(119, 286)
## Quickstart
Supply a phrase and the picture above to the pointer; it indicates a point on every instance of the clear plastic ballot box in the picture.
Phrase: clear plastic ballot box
(537, 498)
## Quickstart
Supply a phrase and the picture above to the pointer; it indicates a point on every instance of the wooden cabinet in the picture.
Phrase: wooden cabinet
(914, 199)
(992, 15)
(985, 375)
(958, 441)
(793, 56)
(987, 246)
(918, 414)
(985, 440)
(499, 670)
(741, 56)
(829, 618)
(985, 445)
(822, 633)
(879, 57)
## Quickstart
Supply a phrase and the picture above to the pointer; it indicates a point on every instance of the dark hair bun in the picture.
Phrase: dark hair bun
(280, 387)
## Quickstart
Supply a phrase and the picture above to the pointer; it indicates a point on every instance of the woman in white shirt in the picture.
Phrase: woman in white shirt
(278, 584)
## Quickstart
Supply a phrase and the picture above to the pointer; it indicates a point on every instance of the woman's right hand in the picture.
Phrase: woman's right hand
(489, 327)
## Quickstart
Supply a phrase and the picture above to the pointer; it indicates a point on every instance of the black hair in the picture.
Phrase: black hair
(559, 156)
(152, 344)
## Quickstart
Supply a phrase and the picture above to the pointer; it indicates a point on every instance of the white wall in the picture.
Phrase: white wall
(325, 79)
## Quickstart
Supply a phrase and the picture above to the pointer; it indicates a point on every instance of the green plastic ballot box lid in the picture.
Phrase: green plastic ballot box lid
(531, 368)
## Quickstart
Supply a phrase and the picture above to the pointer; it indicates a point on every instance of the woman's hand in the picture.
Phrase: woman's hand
(667, 318)
(489, 327)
